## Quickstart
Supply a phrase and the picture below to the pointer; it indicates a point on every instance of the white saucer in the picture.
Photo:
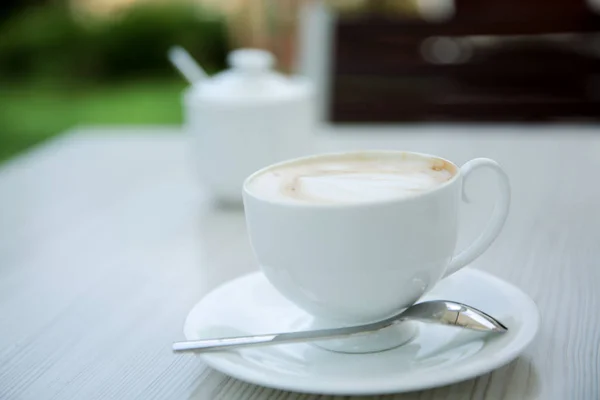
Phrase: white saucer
(438, 355)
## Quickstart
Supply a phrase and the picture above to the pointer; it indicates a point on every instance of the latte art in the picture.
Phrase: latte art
(351, 178)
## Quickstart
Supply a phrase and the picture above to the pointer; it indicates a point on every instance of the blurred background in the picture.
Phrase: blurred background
(65, 63)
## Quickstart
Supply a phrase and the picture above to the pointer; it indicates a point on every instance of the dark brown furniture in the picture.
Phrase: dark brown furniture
(498, 61)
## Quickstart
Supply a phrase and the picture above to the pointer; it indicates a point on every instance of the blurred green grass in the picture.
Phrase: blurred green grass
(30, 114)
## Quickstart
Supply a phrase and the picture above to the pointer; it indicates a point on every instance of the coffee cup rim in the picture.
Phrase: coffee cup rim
(368, 203)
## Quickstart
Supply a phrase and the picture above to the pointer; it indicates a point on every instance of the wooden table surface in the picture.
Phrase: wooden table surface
(107, 241)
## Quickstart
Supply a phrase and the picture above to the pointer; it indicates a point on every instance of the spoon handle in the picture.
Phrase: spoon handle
(216, 344)
(205, 345)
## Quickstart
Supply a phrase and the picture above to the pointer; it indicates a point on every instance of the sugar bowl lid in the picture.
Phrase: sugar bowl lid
(251, 77)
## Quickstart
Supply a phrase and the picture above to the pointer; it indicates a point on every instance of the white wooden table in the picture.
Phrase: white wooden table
(106, 242)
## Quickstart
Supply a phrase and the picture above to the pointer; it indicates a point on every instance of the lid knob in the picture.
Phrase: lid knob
(251, 60)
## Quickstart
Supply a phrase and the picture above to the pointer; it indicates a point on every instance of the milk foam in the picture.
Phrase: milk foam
(351, 178)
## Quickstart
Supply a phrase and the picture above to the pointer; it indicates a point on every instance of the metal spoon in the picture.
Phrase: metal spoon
(437, 312)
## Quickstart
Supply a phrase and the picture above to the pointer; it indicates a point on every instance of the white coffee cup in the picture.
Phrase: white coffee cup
(355, 263)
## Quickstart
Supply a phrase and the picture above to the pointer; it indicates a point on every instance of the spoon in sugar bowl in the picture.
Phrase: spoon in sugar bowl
(436, 312)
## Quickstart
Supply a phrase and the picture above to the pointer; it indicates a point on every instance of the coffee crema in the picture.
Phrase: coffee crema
(351, 178)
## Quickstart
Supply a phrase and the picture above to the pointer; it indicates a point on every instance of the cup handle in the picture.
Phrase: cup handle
(495, 223)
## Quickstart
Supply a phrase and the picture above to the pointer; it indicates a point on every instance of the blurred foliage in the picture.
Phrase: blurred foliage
(57, 72)
(46, 42)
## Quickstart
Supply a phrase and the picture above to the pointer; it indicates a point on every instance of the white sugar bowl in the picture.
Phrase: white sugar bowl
(245, 118)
